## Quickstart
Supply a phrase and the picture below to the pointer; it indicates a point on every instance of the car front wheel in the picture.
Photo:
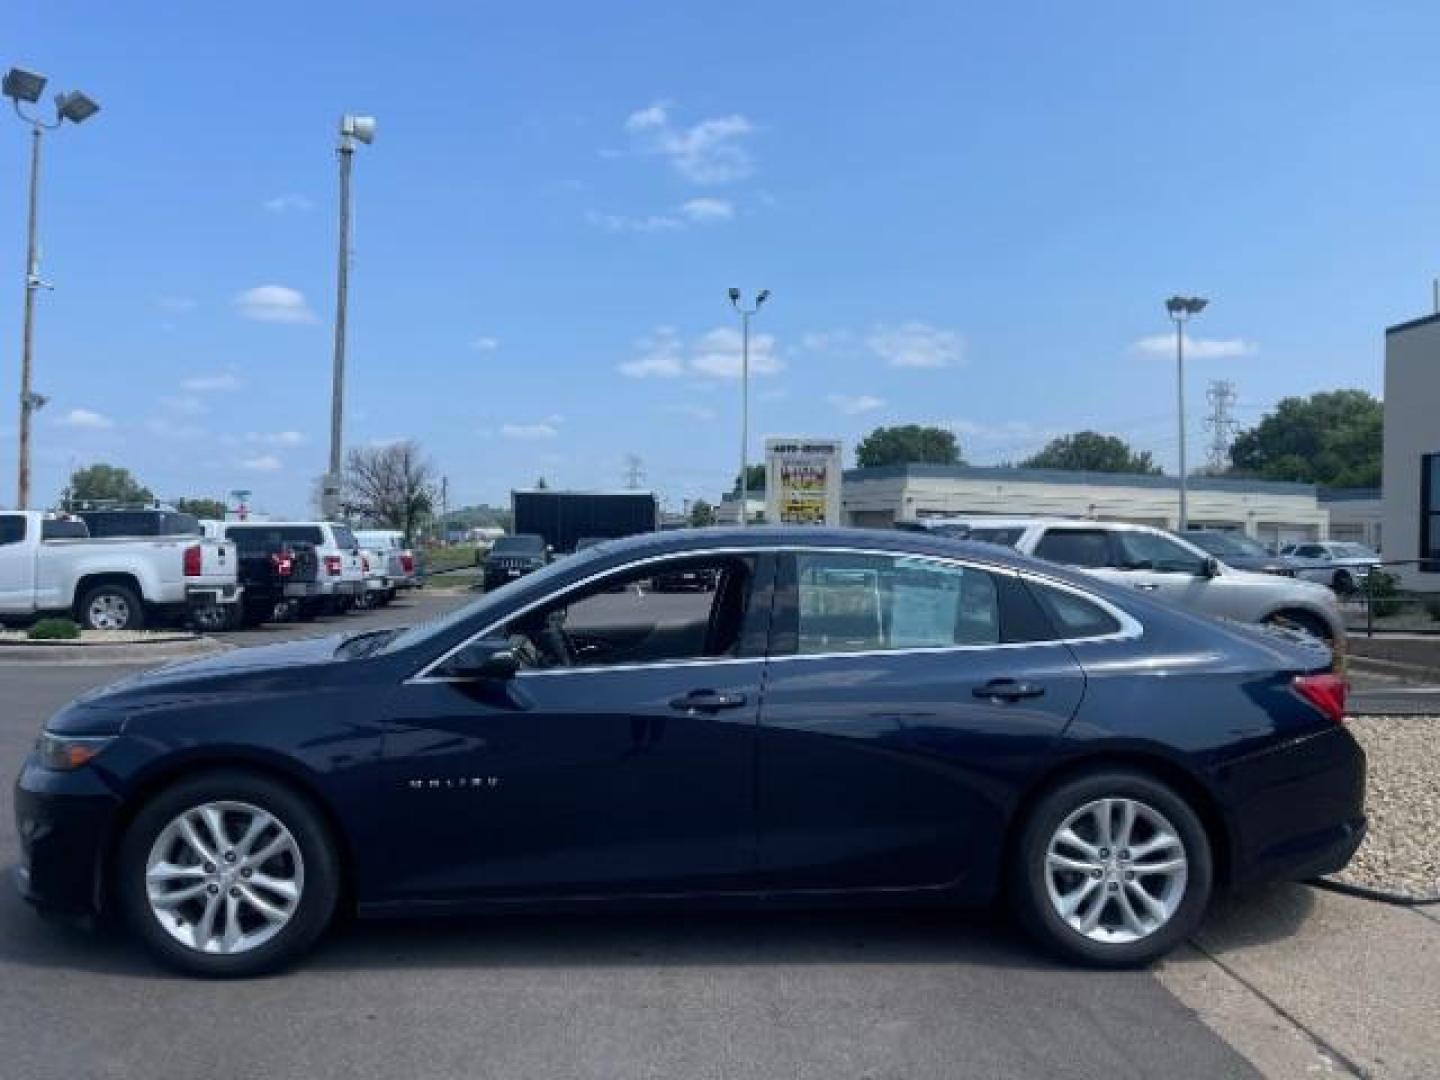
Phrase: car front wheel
(228, 874)
(1112, 869)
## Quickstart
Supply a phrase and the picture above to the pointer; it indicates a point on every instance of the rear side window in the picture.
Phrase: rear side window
(344, 538)
(1075, 547)
(1005, 537)
(1072, 615)
(121, 523)
(12, 528)
(63, 529)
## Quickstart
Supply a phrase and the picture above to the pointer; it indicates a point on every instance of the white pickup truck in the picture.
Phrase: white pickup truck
(50, 564)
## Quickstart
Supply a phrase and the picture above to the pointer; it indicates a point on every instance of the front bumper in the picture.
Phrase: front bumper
(65, 822)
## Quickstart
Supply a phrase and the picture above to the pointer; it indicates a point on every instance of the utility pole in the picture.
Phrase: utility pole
(444, 509)
(1221, 396)
(1180, 309)
(351, 128)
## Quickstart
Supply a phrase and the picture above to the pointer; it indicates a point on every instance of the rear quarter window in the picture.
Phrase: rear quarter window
(12, 528)
(1072, 615)
(1075, 547)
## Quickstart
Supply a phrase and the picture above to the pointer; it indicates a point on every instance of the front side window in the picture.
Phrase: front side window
(863, 603)
(1006, 536)
(1075, 547)
(678, 609)
(1151, 551)
(12, 528)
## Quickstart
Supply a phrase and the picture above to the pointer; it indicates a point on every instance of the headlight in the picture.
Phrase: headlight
(66, 752)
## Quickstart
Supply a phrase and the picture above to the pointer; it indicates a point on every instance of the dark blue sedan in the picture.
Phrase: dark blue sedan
(843, 717)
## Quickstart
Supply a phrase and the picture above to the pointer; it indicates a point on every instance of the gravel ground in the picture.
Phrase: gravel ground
(1402, 851)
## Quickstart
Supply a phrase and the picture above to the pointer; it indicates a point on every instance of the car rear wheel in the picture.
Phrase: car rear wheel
(1344, 582)
(1112, 869)
(228, 874)
(111, 607)
(1303, 621)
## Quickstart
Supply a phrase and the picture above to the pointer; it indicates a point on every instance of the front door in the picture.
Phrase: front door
(620, 760)
(905, 698)
(17, 565)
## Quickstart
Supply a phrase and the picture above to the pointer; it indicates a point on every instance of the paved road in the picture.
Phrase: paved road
(829, 996)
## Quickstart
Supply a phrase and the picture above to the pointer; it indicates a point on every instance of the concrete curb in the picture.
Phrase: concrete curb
(35, 653)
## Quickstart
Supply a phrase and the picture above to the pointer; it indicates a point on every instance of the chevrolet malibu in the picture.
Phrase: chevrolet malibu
(845, 717)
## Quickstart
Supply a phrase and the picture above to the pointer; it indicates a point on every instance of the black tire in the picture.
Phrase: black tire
(1030, 892)
(318, 897)
(1312, 624)
(120, 597)
(1344, 583)
(216, 618)
(307, 610)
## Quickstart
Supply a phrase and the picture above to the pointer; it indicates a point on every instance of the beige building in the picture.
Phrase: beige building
(1411, 499)
(1355, 514)
(1270, 511)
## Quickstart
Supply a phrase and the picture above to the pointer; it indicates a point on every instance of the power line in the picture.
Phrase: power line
(1221, 425)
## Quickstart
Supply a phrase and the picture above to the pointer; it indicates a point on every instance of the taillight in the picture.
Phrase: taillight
(332, 565)
(407, 562)
(1326, 692)
(365, 563)
(282, 563)
(192, 561)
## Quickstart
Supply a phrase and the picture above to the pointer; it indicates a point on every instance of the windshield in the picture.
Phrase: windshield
(1222, 543)
(1352, 551)
(518, 545)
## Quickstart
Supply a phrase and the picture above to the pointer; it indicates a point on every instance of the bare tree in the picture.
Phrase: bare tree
(391, 485)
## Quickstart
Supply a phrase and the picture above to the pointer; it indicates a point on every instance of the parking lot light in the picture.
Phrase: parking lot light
(21, 85)
(1180, 309)
(745, 314)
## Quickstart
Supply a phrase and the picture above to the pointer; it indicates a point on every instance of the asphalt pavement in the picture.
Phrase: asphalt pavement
(829, 995)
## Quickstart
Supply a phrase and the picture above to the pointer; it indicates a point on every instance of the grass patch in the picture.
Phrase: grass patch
(438, 560)
(54, 630)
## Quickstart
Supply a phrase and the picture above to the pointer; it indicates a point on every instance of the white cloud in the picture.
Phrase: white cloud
(529, 431)
(916, 345)
(219, 382)
(704, 211)
(262, 463)
(274, 303)
(652, 223)
(660, 357)
(274, 438)
(485, 344)
(823, 340)
(281, 204)
(693, 412)
(709, 152)
(854, 405)
(717, 354)
(1199, 348)
(85, 418)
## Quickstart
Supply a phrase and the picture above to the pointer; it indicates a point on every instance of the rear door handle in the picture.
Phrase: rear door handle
(1007, 690)
(707, 701)
(1145, 586)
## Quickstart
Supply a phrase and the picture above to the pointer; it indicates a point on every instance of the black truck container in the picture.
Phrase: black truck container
(565, 517)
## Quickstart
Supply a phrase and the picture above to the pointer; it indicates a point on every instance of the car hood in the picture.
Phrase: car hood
(283, 657)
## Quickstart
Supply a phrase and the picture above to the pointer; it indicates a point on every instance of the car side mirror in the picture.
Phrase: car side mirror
(483, 662)
(1210, 568)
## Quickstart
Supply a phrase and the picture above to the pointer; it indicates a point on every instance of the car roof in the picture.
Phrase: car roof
(998, 522)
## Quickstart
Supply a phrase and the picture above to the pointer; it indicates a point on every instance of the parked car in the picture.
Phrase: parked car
(340, 577)
(1101, 761)
(274, 569)
(399, 558)
(378, 589)
(1343, 565)
(1150, 560)
(111, 584)
(1240, 551)
(513, 557)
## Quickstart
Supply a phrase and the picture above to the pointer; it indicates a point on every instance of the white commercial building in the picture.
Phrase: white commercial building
(1411, 513)
(1356, 514)
(1271, 511)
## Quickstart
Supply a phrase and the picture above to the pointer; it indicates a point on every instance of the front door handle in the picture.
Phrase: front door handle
(707, 701)
(1145, 586)
(1007, 690)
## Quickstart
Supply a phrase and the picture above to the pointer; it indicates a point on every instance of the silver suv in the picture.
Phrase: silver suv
(1161, 564)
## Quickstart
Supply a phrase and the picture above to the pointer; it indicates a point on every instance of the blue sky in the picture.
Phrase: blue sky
(967, 216)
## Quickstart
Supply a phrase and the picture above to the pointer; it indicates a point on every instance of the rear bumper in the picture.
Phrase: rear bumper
(198, 595)
(341, 587)
(64, 821)
(298, 590)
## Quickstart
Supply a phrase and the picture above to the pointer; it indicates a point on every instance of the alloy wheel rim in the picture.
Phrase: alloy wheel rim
(109, 612)
(1116, 870)
(224, 877)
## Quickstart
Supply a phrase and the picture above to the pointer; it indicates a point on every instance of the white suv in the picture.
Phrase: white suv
(1158, 563)
(339, 571)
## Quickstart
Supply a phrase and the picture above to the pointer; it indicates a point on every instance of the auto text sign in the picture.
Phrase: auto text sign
(802, 481)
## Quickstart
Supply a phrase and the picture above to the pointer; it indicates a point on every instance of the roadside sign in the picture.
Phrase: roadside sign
(802, 481)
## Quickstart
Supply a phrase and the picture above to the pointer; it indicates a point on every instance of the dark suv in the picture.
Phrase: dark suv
(513, 557)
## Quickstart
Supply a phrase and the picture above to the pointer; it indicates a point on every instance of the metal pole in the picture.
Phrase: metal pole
(1180, 398)
(346, 153)
(744, 417)
(32, 282)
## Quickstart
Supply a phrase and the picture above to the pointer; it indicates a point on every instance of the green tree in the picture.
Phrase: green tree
(1334, 438)
(755, 475)
(202, 508)
(1090, 451)
(908, 444)
(104, 483)
(701, 514)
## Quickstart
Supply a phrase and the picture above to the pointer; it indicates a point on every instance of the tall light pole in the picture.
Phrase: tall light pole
(1180, 309)
(22, 86)
(352, 128)
(745, 314)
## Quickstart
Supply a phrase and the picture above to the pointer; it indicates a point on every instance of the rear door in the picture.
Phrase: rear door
(906, 699)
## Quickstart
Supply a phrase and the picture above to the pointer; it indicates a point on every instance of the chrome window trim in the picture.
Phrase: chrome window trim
(1130, 627)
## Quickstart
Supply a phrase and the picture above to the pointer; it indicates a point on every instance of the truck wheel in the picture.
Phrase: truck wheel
(111, 607)
(215, 618)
